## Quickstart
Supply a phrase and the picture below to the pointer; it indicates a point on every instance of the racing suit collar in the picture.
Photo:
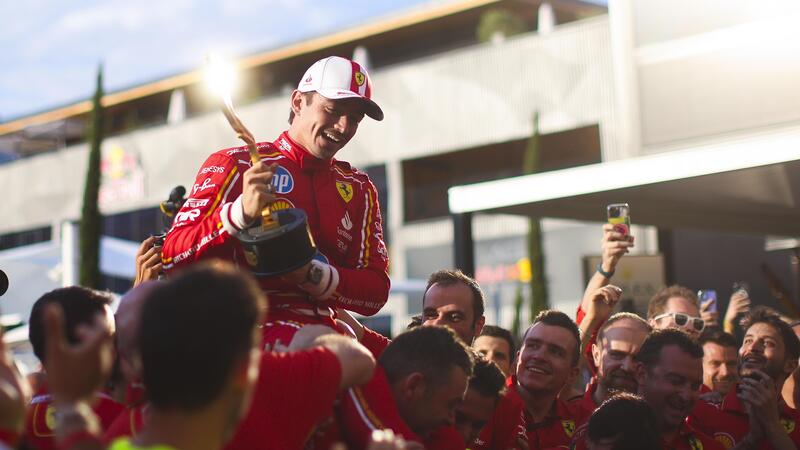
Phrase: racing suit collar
(300, 155)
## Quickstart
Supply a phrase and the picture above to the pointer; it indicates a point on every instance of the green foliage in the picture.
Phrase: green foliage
(91, 226)
(499, 21)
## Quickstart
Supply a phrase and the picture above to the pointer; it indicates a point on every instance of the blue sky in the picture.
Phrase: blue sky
(50, 49)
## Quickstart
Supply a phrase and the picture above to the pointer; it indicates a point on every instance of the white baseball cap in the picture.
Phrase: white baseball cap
(335, 78)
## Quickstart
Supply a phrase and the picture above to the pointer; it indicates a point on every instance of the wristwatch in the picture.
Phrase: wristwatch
(314, 275)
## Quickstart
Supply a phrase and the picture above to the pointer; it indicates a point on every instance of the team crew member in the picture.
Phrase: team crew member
(752, 414)
(614, 355)
(421, 379)
(720, 360)
(531, 410)
(497, 345)
(299, 169)
(82, 307)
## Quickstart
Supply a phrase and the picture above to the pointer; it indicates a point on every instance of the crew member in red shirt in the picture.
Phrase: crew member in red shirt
(531, 410)
(298, 169)
(614, 353)
(753, 413)
(82, 306)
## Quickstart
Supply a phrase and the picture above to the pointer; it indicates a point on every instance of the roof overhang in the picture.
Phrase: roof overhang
(749, 185)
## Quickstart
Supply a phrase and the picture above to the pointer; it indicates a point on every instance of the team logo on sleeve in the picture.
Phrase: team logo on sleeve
(283, 181)
(569, 427)
(345, 190)
(788, 425)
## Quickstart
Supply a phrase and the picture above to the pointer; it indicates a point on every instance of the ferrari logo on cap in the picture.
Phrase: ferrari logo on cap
(345, 190)
(359, 78)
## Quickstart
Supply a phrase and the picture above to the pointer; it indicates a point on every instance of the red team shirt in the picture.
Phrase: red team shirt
(728, 422)
(511, 420)
(686, 439)
(343, 216)
(40, 422)
(295, 391)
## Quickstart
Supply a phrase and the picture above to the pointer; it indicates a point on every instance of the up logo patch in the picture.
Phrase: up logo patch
(345, 190)
(788, 425)
(283, 181)
(359, 78)
(569, 427)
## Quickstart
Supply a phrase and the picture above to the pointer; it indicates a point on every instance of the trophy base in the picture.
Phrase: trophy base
(277, 250)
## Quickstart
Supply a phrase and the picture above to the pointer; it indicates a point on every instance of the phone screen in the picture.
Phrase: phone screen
(619, 216)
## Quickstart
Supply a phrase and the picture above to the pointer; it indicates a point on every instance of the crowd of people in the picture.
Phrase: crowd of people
(210, 356)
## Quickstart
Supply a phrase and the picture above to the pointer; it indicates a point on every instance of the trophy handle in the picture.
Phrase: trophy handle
(267, 218)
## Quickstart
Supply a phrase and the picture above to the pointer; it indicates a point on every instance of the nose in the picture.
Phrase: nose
(343, 123)
(723, 370)
(628, 364)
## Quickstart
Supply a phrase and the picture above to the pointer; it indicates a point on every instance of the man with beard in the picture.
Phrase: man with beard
(753, 415)
(720, 371)
(614, 356)
(531, 410)
(670, 372)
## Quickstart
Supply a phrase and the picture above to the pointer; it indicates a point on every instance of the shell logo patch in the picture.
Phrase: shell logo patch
(345, 190)
(788, 425)
(281, 203)
(725, 439)
(569, 427)
(695, 443)
(251, 258)
(359, 78)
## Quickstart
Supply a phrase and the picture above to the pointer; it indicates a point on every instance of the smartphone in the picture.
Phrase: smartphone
(708, 294)
(619, 216)
(741, 286)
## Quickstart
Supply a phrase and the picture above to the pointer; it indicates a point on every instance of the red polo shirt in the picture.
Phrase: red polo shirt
(586, 405)
(294, 392)
(728, 422)
(512, 421)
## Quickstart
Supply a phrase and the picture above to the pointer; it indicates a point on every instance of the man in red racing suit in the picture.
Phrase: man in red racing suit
(298, 170)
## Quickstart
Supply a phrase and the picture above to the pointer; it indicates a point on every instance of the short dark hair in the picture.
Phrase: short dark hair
(717, 336)
(487, 378)
(80, 306)
(432, 351)
(628, 419)
(309, 99)
(650, 352)
(624, 316)
(559, 319)
(658, 303)
(502, 333)
(194, 329)
(447, 277)
(763, 314)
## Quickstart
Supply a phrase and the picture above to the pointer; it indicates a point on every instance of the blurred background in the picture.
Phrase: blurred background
(510, 125)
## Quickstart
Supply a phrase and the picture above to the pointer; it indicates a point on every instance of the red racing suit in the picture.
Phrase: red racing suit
(343, 216)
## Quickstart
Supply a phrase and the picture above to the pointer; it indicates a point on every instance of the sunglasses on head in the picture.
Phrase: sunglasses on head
(682, 319)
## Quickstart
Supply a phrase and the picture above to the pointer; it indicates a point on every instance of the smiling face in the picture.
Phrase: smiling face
(720, 370)
(763, 349)
(323, 126)
(671, 386)
(614, 356)
(546, 359)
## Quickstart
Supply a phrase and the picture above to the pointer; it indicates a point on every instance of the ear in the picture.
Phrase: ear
(297, 101)
(596, 354)
(641, 373)
(413, 385)
(479, 326)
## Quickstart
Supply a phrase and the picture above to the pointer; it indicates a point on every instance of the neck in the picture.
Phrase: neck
(202, 430)
(537, 403)
(789, 391)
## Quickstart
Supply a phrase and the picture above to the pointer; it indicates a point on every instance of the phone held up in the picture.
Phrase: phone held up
(619, 216)
(706, 295)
